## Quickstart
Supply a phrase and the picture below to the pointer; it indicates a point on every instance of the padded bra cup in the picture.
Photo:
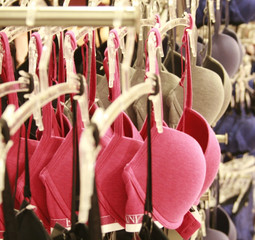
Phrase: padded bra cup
(208, 94)
(215, 66)
(168, 210)
(225, 224)
(200, 54)
(212, 234)
(225, 49)
(234, 36)
(169, 83)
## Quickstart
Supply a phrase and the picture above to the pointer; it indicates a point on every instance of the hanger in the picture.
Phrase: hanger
(69, 56)
(75, 85)
(21, 85)
(174, 23)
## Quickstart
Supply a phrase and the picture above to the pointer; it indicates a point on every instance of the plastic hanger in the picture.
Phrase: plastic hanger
(75, 85)
(44, 61)
(21, 85)
(1, 56)
(127, 59)
(174, 23)
(32, 66)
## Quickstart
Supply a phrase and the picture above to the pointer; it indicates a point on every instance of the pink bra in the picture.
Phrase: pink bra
(122, 147)
(178, 173)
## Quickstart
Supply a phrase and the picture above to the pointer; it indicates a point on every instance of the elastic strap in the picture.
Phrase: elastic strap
(8, 203)
(75, 173)
(218, 21)
(93, 74)
(148, 200)
(17, 168)
(7, 69)
(226, 13)
(11, 229)
(27, 190)
(209, 48)
(94, 223)
(186, 71)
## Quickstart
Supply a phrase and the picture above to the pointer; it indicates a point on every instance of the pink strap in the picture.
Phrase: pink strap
(187, 70)
(158, 19)
(85, 60)
(74, 45)
(115, 91)
(93, 76)
(61, 79)
(7, 69)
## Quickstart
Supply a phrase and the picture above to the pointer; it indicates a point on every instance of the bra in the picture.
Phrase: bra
(225, 49)
(231, 33)
(122, 147)
(214, 65)
(177, 160)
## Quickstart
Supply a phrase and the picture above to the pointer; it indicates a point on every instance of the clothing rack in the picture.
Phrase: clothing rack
(69, 16)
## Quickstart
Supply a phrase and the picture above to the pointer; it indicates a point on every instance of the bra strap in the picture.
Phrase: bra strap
(186, 72)
(226, 13)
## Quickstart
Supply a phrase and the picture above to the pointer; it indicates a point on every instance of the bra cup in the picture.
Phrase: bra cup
(215, 66)
(197, 127)
(200, 54)
(175, 110)
(168, 81)
(212, 234)
(226, 50)
(225, 224)
(178, 176)
(102, 92)
(232, 34)
(208, 92)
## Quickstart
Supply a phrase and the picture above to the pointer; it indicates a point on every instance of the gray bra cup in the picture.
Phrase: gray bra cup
(208, 93)
(200, 54)
(207, 101)
(168, 83)
(215, 66)
(212, 234)
(102, 92)
(225, 224)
